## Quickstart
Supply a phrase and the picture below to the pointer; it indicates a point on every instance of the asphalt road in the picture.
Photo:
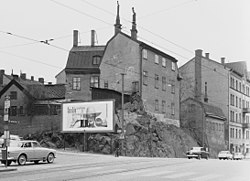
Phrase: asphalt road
(82, 166)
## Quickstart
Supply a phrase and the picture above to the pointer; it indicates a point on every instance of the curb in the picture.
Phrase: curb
(3, 169)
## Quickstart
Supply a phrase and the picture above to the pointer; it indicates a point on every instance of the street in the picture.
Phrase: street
(85, 166)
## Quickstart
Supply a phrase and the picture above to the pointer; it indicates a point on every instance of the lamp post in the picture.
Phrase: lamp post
(6, 127)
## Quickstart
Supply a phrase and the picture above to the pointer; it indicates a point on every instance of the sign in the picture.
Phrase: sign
(13, 121)
(96, 116)
(6, 135)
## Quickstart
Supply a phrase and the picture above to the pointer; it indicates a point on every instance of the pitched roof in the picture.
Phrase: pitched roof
(209, 109)
(80, 59)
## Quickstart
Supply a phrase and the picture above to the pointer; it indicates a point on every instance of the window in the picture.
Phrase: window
(164, 62)
(21, 110)
(156, 81)
(13, 111)
(240, 103)
(145, 54)
(240, 117)
(145, 77)
(243, 104)
(231, 82)
(163, 106)
(236, 102)
(236, 85)
(94, 81)
(13, 95)
(240, 86)
(156, 105)
(247, 91)
(173, 66)
(236, 133)
(236, 117)
(76, 83)
(156, 59)
(239, 133)
(164, 83)
(172, 108)
(243, 89)
(106, 84)
(96, 60)
(232, 99)
(172, 88)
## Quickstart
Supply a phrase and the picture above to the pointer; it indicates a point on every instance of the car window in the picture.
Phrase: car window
(35, 144)
(27, 145)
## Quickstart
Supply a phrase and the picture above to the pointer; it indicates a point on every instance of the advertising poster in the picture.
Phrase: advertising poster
(88, 116)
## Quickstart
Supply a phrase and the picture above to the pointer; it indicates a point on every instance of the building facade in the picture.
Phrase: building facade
(215, 82)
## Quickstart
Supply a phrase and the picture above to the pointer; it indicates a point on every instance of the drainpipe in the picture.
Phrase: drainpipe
(140, 71)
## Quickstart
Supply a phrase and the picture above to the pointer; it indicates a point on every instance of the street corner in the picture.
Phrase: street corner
(8, 169)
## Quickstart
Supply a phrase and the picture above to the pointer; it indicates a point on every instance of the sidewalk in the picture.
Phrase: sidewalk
(8, 169)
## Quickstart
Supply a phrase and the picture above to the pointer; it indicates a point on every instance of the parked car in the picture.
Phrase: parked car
(225, 155)
(238, 156)
(197, 152)
(28, 150)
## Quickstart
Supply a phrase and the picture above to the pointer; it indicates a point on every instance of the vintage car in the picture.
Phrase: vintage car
(225, 155)
(27, 150)
(197, 152)
(238, 156)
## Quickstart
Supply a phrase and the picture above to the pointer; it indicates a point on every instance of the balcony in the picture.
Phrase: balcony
(246, 110)
(245, 125)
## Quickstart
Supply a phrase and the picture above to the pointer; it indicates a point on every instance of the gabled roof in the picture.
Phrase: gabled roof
(209, 109)
(80, 59)
(37, 91)
(147, 46)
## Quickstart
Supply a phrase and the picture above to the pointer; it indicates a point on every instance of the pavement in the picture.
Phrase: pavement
(7, 169)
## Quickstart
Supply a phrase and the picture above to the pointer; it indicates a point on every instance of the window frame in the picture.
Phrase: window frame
(145, 77)
(96, 60)
(76, 83)
(164, 62)
(157, 59)
(95, 81)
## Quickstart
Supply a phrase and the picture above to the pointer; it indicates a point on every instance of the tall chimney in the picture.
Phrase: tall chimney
(197, 74)
(134, 30)
(2, 72)
(92, 38)
(207, 55)
(117, 25)
(222, 60)
(75, 38)
(41, 80)
(32, 78)
(23, 76)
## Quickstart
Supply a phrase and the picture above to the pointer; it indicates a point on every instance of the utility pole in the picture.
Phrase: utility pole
(123, 104)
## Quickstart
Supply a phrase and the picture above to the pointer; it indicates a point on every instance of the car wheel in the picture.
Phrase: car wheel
(36, 161)
(22, 159)
(50, 158)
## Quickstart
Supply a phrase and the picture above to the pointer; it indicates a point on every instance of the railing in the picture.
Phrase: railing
(246, 125)
(246, 110)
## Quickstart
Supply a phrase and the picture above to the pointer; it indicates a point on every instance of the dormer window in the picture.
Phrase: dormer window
(96, 60)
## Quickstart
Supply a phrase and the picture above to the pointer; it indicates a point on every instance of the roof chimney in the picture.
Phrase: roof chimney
(198, 53)
(134, 30)
(118, 26)
(32, 78)
(207, 55)
(23, 76)
(2, 72)
(75, 38)
(92, 38)
(41, 80)
(222, 60)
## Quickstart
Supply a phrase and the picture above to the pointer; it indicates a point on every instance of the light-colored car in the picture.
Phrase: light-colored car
(28, 150)
(197, 152)
(225, 155)
(238, 156)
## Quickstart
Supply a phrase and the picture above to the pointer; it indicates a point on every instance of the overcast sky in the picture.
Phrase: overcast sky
(177, 27)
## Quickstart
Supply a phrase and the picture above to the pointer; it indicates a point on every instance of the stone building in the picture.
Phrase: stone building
(214, 82)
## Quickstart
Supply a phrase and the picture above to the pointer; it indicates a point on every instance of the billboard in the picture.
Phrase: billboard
(96, 116)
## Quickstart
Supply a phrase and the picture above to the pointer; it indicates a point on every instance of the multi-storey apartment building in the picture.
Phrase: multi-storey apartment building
(224, 85)
(239, 126)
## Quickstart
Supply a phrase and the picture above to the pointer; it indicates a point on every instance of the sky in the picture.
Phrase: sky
(177, 27)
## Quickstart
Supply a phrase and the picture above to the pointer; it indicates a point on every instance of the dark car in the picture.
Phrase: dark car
(197, 152)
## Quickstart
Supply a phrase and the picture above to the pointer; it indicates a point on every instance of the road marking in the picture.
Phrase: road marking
(205, 177)
(177, 175)
(85, 169)
(155, 173)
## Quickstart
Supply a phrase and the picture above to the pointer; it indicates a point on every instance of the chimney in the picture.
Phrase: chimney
(198, 53)
(23, 76)
(134, 30)
(92, 38)
(32, 78)
(15, 76)
(222, 60)
(41, 80)
(207, 55)
(2, 72)
(117, 25)
(75, 38)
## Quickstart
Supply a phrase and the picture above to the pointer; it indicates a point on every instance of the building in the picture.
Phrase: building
(147, 70)
(214, 82)
(206, 123)
(34, 106)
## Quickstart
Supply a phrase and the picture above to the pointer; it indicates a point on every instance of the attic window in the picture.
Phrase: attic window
(13, 95)
(96, 60)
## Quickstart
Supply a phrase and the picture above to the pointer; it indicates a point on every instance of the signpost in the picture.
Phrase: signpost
(6, 128)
